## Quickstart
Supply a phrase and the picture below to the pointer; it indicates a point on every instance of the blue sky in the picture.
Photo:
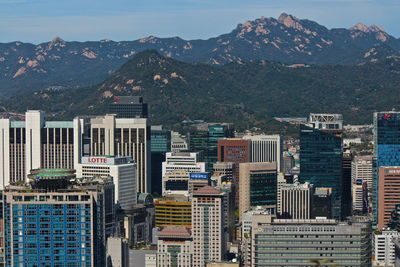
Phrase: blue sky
(80, 20)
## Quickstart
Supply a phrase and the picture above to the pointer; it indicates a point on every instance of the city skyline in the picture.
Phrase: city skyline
(39, 21)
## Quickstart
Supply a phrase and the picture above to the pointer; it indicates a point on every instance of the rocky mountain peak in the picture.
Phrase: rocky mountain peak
(289, 21)
(364, 28)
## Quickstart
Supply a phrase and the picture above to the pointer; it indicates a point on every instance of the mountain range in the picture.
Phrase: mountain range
(248, 94)
(60, 64)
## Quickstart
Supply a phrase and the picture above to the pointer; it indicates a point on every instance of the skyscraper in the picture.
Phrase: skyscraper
(204, 137)
(388, 193)
(321, 155)
(160, 145)
(258, 186)
(173, 210)
(111, 136)
(128, 107)
(265, 148)
(386, 149)
(361, 168)
(207, 226)
(36, 143)
(55, 222)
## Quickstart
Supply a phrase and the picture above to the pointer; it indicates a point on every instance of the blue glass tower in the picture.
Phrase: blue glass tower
(387, 148)
(321, 156)
(54, 226)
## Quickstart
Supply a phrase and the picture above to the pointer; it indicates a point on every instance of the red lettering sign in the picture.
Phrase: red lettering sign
(97, 160)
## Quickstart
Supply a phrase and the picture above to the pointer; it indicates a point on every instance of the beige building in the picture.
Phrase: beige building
(207, 226)
(258, 186)
(174, 247)
(295, 201)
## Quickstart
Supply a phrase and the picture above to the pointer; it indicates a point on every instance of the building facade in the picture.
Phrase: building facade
(207, 226)
(384, 247)
(361, 168)
(321, 156)
(296, 201)
(173, 210)
(258, 186)
(266, 148)
(296, 242)
(128, 107)
(388, 193)
(174, 247)
(121, 169)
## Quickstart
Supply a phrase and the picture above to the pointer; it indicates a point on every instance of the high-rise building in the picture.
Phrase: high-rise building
(121, 169)
(321, 155)
(360, 197)
(388, 193)
(288, 162)
(204, 137)
(160, 145)
(346, 184)
(186, 161)
(175, 182)
(386, 149)
(288, 242)
(174, 247)
(208, 226)
(266, 148)
(178, 143)
(258, 186)
(128, 107)
(111, 136)
(173, 210)
(36, 143)
(296, 201)
(56, 222)
(237, 151)
(384, 247)
(225, 169)
(361, 168)
(322, 203)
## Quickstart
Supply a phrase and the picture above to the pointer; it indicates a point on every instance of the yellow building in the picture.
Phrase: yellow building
(174, 210)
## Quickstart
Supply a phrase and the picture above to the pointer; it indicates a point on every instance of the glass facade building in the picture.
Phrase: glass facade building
(321, 162)
(204, 137)
(263, 189)
(387, 148)
(128, 107)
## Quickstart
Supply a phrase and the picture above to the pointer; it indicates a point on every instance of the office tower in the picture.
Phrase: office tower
(281, 181)
(258, 186)
(175, 182)
(345, 243)
(384, 247)
(224, 169)
(111, 136)
(295, 201)
(346, 184)
(117, 252)
(360, 196)
(121, 169)
(138, 223)
(361, 168)
(204, 137)
(55, 222)
(174, 247)
(187, 161)
(394, 222)
(128, 107)
(198, 180)
(178, 143)
(207, 226)
(322, 203)
(386, 149)
(36, 143)
(237, 151)
(160, 145)
(252, 219)
(173, 210)
(321, 155)
(228, 209)
(388, 193)
(266, 148)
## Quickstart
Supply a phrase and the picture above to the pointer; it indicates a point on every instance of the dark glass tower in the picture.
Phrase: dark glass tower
(321, 156)
(204, 137)
(160, 145)
(128, 107)
(387, 148)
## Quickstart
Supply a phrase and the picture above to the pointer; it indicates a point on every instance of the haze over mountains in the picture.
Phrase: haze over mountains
(58, 64)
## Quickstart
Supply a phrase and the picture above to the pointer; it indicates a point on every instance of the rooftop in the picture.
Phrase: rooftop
(207, 190)
(174, 231)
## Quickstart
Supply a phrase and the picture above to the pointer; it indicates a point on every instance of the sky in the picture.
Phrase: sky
(39, 21)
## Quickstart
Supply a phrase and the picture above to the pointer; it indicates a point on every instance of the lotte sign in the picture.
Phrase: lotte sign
(97, 160)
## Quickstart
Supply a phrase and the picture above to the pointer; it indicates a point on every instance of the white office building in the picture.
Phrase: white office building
(295, 201)
(265, 148)
(36, 143)
(384, 247)
(121, 169)
(186, 161)
(361, 168)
